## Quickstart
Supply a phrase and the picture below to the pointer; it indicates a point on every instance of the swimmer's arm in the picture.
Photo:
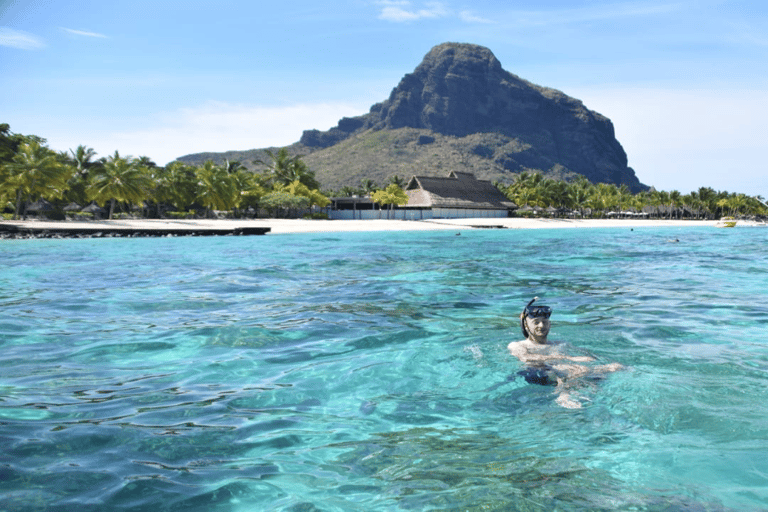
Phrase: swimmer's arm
(579, 359)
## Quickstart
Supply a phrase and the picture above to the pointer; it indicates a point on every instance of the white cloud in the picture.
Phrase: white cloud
(401, 11)
(471, 17)
(20, 39)
(83, 33)
(213, 127)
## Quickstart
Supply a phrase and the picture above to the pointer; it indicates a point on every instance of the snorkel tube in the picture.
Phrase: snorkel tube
(522, 318)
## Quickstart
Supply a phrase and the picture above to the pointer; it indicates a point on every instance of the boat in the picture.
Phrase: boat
(726, 222)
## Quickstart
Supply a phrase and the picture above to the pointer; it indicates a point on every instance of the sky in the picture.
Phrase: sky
(685, 83)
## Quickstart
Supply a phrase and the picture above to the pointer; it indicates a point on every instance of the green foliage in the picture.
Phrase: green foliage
(120, 179)
(297, 188)
(283, 203)
(285, 169)
(33, 172)
(30, 171)
(216, 188)
(181, 215)
(391, 195)
(535, 190)
(316, 216)
(176, 184)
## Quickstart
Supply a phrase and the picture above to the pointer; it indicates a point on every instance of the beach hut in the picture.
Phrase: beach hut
(459, 195)
(95, 209)
(39, 206)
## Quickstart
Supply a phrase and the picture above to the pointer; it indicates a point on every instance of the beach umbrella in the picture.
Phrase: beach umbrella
(94, 208)
(41, 205)
(72, 207)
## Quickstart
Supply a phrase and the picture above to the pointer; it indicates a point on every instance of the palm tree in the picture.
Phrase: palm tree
(233, 166)
(580, 191)
(217, 189)
(34, 171)
(398, 180)
(392, 195)
(83, 161)
(247, 186)
(368, 186)
(285, 169)
(176, 184)
(120, 179)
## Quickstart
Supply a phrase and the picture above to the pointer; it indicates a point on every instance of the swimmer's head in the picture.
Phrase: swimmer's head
(534, 312)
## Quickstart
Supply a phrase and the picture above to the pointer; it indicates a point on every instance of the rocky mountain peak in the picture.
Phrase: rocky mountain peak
(461, 89)
(459, 109)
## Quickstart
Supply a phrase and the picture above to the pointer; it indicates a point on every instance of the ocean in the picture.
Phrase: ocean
(369, 371)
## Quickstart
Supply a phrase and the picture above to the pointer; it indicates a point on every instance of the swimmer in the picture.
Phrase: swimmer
(546, 364)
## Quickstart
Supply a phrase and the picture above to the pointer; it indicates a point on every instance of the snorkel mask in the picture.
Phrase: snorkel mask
(534, 312)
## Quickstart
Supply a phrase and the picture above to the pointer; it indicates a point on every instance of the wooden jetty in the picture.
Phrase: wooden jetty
(109, 230)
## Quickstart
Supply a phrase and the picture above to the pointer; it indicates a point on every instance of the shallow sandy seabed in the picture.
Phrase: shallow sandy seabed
(279, 226)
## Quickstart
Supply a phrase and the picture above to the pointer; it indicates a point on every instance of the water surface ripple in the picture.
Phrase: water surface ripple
(368, 371)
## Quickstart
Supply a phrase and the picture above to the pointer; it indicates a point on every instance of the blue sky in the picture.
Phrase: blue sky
(684, 82)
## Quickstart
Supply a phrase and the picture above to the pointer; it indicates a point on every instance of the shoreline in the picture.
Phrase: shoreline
(287, 226)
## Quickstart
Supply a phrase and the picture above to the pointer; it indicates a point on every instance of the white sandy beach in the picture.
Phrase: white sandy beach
(281, 226)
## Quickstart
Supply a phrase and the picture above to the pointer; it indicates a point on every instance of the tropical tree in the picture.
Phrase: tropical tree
(119, 179)
(398, 180)
(83, 161)
(297, 188)
(580, 191)
(176, 184)
(276, 202)
(147, 162)
(248, 186)
(234, 166)
(368, 186)
(33, 172)
(216, 189)
(285, 169)
(392, 195)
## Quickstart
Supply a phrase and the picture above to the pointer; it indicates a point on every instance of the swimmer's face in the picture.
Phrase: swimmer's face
(538, 327)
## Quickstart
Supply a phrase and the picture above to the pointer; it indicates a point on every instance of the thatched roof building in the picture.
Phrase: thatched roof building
(460, 195)
(460, 190)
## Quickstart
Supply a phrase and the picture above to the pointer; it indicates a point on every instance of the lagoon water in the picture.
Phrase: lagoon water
(369, 371)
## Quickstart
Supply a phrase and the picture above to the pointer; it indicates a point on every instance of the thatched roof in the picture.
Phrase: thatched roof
(458, 190)
(41, 205)
(94, 208)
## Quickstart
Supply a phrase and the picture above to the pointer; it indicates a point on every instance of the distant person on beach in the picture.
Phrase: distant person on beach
(546, 363)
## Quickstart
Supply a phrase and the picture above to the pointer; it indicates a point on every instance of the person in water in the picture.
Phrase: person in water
(545, 361)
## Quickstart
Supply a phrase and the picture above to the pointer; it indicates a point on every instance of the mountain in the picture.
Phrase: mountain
(460, 110)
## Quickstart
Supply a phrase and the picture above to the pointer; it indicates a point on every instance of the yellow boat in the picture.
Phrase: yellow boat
(726, 222)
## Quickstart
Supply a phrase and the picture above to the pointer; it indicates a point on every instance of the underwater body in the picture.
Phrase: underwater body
(370, 371)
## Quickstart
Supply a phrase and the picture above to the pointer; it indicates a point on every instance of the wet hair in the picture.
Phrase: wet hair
(533, 312)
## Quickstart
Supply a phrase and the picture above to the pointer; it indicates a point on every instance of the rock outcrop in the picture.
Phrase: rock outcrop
(459, 110)
(461, 89)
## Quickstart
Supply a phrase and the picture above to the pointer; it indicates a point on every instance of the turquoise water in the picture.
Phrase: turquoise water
(369, 371)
